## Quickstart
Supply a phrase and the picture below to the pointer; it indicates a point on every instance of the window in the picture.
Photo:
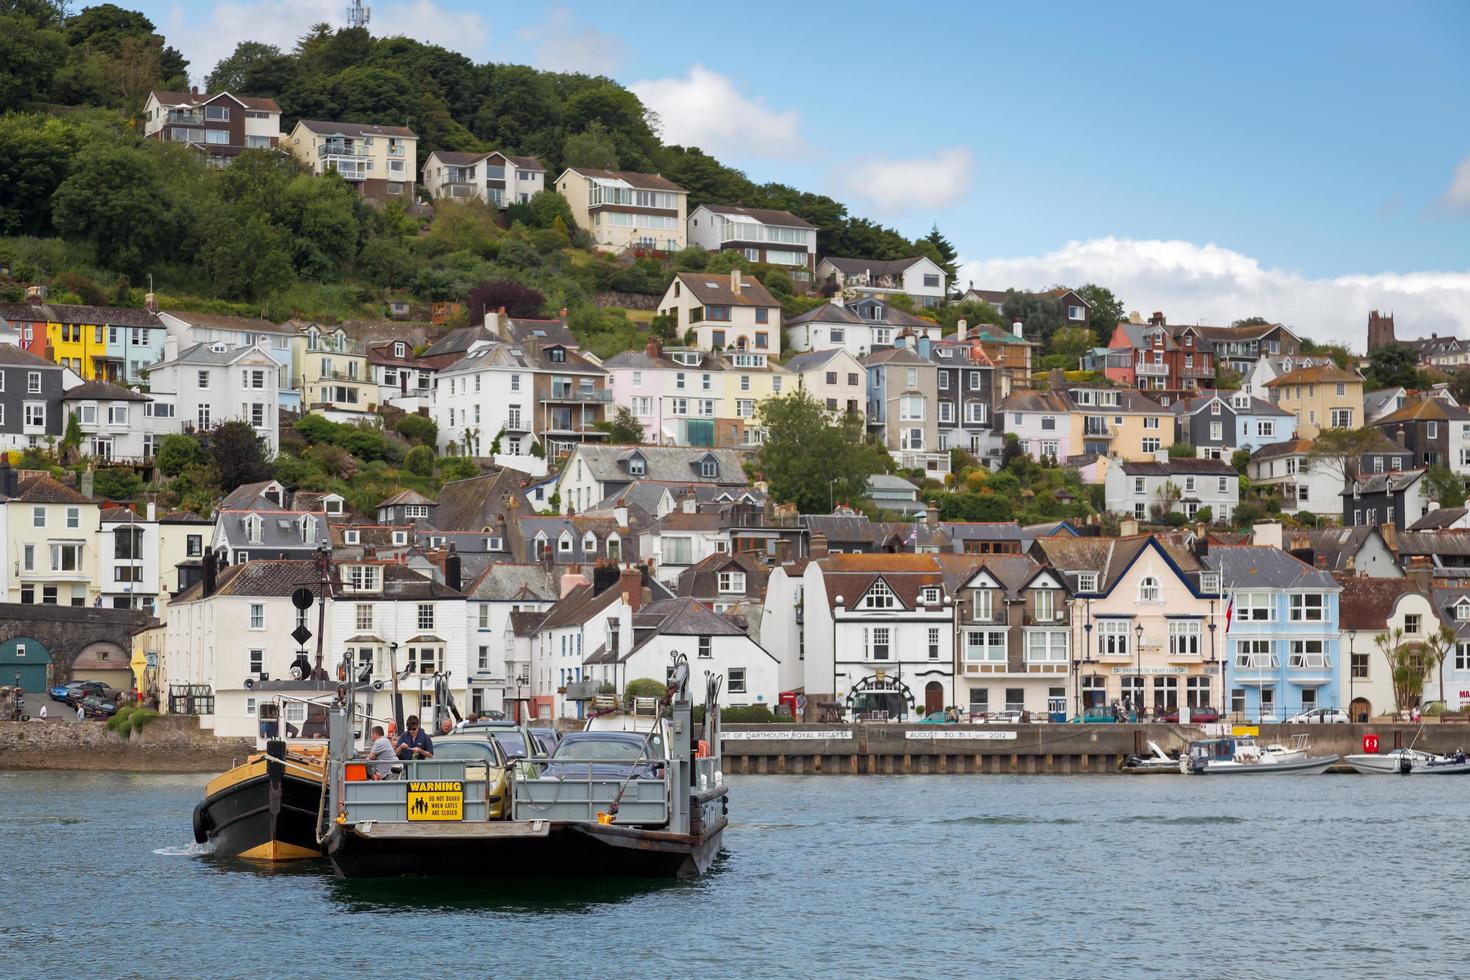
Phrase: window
(1148, 589)
(1151, 422)
(365, 615)
(35, 416)
(735, 680)
(933, 643)
(38, 517)
(1342, 418)
(257, 662)
(1046, 605)
(203, 379)
(732, 582)
(1184, 637)
(1047, 647)
(877, 642)
(66, 557)
(33, 382)
(1412, 623)
(362, 578)
(984, 605)
(257, 615)
(985, 646)
(1308, 655)
(1112, 637)
(426, 616)
(1087, 581)
(28, 558)
(1151, 445)
(1308, 607)
(1255, 655)
(880, 596)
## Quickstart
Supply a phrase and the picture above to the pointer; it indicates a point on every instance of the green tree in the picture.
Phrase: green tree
(419, 461)
(1341, 451)
(177, 452)
(592, 147)
(417, 429)
(233, 73)
(1438, 645)
(624, 429)
(1106, 313)
(30, 53)
(1444, 486)
(71, 440)
(1392, 366)
(115, 201)
(811, 457)
(1071, 343)
(944, 253)
(1040, 315)
(239, 453)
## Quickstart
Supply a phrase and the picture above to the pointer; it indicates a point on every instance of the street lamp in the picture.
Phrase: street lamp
(1138, 667)
(1086, 658)
(1214, 660)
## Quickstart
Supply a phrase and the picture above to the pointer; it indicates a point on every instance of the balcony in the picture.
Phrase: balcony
(578, 396)
(1151, 370)
(347, 168)
(457, 190)
(1094, 427)
(337, 149)
(187, 117)
(1051, 619)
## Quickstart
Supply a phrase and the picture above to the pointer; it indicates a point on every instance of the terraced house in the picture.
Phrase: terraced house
(859, 327)
(31, 389)
(332, 373)
(50, 541)
(103, 342)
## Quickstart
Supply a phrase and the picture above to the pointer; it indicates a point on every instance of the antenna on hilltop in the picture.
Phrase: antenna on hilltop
(359, 14)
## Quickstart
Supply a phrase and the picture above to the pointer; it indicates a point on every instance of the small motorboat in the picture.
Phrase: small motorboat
(1241, 754)
(1156, 761)
(1410, 762)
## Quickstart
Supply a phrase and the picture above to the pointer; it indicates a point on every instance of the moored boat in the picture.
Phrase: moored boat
(1156, 761)
(267, 807)
(1410, 762)
(1242, 755)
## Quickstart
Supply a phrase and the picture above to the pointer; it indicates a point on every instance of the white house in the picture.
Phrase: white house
(726, 312)
(1136, 488)
(129, 560)
(594, 473)
(213, 383)
(119, 423)
(917, 277)
(496, 178)
(859, 326)
(760, 234)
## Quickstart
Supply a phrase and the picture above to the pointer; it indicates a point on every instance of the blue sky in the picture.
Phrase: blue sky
(1297, 160)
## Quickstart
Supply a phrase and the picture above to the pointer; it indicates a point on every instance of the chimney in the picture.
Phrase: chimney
(1157, 320)
(630, 581)
(1321, 562)
(211, 574)
(7, 477)
(571, 579)
(1161, 456)
(1399, 434)
(689, 504)
(33, 295)
(170, 347)
(89, 477)
(652, 348)
(931, 514)
(817, 548)
(193, 89)
(150, 302)
(735, 281)
(1127, 527)
(152, 511)
(902, 340)
(1016, 328)
(1269, 534)
(960, 328)
(922, 344)
(452, 577)
(1390, 537)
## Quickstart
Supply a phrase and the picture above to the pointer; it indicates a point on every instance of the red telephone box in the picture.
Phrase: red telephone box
(789, 698)
(1370, 743)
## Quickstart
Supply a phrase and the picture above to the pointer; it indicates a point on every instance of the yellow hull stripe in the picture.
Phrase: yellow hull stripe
(254, 766)
(275, 850)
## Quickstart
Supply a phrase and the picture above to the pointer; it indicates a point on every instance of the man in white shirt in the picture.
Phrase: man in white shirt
(382, 753)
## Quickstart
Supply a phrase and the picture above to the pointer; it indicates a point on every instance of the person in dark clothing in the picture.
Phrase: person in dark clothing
(415, 743)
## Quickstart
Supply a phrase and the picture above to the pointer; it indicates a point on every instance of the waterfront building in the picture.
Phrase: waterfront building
(129, 558)
(1373, 612)
(502, 590)
(1282, 641)
(496, 178)
(1145, 621)
(679, 540)
(51, 549)
(967, 396)
(108, 343)
(31, 389)
(259, 521)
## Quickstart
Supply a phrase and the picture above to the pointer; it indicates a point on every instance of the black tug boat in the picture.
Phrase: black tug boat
(267, 807)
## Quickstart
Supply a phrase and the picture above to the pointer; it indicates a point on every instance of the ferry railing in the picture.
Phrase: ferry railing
(386, 800)
(578, 794)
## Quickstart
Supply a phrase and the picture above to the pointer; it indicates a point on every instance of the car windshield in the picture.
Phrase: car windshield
(512, 743)
(599, 750)
(465, 752)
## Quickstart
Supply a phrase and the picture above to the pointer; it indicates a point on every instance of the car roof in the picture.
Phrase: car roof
(604, 737)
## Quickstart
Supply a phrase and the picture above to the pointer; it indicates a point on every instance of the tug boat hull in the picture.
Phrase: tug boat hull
(262, 810)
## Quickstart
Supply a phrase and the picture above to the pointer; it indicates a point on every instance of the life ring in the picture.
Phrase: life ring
(201, 824)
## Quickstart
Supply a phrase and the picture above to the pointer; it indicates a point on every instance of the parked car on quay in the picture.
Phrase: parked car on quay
(96, 707)
(73, 691)
(1320, 716)
(1099, 714)
(514, 739)
(1204, 715)
(547, 740)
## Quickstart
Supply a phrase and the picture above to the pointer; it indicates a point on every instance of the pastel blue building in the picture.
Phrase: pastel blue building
(1283, 644)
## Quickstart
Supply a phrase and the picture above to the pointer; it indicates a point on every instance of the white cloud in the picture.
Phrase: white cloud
(1213, 285)
(1458, 195)
(562, 43)
(207, 35)
(894, 186)
(706, 110)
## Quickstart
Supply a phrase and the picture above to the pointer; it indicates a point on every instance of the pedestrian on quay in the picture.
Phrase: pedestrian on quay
(81, 713)
(43, 713)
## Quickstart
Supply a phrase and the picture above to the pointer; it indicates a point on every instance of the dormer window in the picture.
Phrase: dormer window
(931, 597)
(708, 468)
(637, 466)
(564, 544)
(1209, 583)
(589, 544)
(493, 544)
(253, 528)
(350, 537)
(400, 537)
(308, 531)
(880, 596)
(1148, 589)
(1462, 610)
(556, 355)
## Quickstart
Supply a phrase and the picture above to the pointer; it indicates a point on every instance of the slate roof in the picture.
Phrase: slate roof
(812, 360)
(457, 341)
(1426, 408)
(1384, 482)
(1244, 566)
(1445, 601)
(877, 267)
(1256, 406)
(1366, 603)
(14, 356)
(711, 289)
(46, 489)
(280, 530)
(1439, 519)
(200, 98)
(895, 355)
(1111, 557)
(203, 353)
(1338, 545)
(321, 128)
(508, 582)
(851, 576)
(835, 313)
(1185, 465)
(1318, 374)
(1452, 542)
(268, 578)
(765, 216)
(526, 331)
(667, 464)
(222, 321)
(702, 580)
(1035, 401)
(475, 503)
(103, 391)
(247, 494)
(412, 497)
(652, 182)
(530, 356)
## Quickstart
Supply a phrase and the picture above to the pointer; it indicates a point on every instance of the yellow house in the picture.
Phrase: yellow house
(51, 540)
(1118, 422)
(1321, 397)
(380, 161)
(182, 538)
(625, 210)
(331, 370)
(749, 379)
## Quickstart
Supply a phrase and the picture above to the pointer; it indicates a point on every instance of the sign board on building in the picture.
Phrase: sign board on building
(786, 735)
(1150, 670)
(942, 734)
(436, 800)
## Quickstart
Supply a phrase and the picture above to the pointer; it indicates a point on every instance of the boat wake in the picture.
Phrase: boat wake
(191, 850)
(1003, 821)
(1182, 821)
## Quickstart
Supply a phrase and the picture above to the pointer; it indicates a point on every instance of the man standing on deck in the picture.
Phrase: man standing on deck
(415, 742)
(382, 753)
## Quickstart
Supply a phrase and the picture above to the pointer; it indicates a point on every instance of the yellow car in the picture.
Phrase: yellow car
(487, 771)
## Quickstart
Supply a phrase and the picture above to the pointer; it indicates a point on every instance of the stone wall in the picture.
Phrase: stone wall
(167, 744)
(66, 630)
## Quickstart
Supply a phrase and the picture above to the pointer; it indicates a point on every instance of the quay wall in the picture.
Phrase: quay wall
(1060, 749)
(171, 743)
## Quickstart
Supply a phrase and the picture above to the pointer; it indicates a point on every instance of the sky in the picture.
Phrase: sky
(1303, 161)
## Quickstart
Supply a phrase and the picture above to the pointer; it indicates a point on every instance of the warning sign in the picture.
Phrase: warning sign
(439, 800)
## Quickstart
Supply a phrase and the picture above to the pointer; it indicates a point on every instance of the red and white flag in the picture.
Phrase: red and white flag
(1229, 613)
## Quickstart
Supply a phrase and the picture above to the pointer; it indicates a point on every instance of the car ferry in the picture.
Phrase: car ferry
(651, 804)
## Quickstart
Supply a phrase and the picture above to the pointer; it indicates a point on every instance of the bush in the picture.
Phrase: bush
(755, 714)
(177, 452)
(116, 483)
(1205, 515)
(643, 687)
(1175, 519)
(417, 428)
(129, 720)
(419, 461)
